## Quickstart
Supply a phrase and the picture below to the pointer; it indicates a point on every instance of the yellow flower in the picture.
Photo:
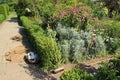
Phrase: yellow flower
(105, 10)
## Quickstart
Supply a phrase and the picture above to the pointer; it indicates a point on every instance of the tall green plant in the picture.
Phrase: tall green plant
(45, 46)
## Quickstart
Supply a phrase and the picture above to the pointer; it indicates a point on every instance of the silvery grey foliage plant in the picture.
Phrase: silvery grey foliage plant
(78, 45)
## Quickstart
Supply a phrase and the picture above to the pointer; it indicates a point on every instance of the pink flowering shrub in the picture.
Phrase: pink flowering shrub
(77, 16)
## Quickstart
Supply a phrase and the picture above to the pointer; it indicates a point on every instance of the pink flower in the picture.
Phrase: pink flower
(83, 8)
(86, 13)
(74, 9)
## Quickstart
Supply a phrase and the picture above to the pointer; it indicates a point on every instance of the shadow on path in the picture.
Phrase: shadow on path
(34, 70)
(89, 69)
(13, 19)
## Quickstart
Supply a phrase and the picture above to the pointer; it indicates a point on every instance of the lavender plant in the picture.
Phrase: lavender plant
(65, 49)
(79, 45)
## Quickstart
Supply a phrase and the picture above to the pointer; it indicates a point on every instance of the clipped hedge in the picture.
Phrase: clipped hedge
(44, 46)
(4, 12)
(1, 18)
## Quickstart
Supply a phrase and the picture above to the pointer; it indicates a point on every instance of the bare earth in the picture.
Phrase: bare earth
(16, 54)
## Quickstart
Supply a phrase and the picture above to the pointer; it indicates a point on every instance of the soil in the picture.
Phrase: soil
(17, 37)
(95, 62)
(16, 54)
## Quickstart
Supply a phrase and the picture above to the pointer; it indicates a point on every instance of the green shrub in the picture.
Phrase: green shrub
(109, 29)
(4, 9)
(7, 9)
(70, 2)
(76, 74)
(45, 46)
(1, 18)
(78, 45)
(112, 45)
(99, 11)
(117, 17)
(109, 71)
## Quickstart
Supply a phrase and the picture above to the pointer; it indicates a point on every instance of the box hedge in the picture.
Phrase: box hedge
(1, 18)
(4, 9)
(44, 46)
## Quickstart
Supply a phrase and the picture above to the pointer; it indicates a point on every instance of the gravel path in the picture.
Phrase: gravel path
(11, 71)
(8, 29)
